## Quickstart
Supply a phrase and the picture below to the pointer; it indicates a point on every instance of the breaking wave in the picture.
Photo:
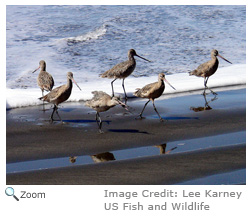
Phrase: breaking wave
(97, 33)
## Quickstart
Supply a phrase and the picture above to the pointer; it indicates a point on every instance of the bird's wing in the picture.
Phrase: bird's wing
(116, 70)
(99, 94)
(46, 81)
(143, 92)
(148, 87)
(204, 67)
(54, 94)
(99, 99)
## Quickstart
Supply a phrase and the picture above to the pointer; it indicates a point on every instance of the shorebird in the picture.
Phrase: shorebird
(72, 159)
(208, 68)
(45, 80)
(162, 148)
(103, 157)
(123, 70)
(206, 107)
(60, 94)
(153, 91)
(102, 102)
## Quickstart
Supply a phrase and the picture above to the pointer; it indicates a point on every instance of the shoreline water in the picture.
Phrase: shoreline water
(170, 147)
(31, 137)
(165, 169)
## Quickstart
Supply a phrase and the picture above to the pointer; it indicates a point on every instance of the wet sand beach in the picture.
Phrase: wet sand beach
(31, 137)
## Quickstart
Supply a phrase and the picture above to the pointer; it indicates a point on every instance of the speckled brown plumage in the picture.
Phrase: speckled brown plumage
(45, 80)
(122, 70)
(102, 102)
(60, 94)
(153, 91)
(208, 68)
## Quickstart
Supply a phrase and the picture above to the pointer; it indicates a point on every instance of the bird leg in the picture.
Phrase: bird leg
(124, 91)
(99, 122)
(214, 93)
(207, 107)
(113, 87)
(96, 118)
(205, 82)
(58, 115)
(43, 100)
(55, 108)
(140, 115)
(161, 119)
(206, 87)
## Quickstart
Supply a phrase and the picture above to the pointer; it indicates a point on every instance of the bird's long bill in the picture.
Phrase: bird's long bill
(123, 105)
(76, 83)
(169, 84)
(224, 58)
(143, 58)
(35, 69)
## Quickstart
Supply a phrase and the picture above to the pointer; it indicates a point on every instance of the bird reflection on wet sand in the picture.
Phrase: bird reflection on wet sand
(72, 159)
(108, 156)
(103, 157)
(206, 107)
(162, 148)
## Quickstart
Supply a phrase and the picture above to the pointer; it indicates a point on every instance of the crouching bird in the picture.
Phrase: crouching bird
(102, 102)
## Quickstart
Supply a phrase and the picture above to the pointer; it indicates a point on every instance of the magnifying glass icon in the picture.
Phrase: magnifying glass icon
(10, 192)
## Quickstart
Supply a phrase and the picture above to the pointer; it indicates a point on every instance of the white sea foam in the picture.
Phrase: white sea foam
(93, 35)
(232, 75)
(88, 40)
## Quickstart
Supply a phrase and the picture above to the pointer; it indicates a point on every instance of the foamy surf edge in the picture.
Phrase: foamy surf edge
(227, 76)
(93, 35)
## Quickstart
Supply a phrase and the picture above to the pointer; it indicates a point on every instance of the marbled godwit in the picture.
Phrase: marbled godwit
(72, 159)
(208, 68)
(153, 91)
(45, 80)
(206, 107)
(102, 102)
(123, 70)
(162, 148)
(103, 157)
(60, 94)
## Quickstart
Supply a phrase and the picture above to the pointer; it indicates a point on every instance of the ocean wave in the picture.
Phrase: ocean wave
(93, 35)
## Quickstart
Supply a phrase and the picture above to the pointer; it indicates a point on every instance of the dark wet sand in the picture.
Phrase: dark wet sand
(31, 137)
(164, 169)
